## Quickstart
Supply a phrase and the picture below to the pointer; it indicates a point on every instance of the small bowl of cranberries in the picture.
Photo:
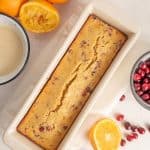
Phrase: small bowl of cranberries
(140, 80)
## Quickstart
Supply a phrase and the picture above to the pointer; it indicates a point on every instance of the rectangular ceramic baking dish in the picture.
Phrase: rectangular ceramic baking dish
(17, 141)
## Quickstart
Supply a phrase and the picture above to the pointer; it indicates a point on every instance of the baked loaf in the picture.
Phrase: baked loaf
(71, 83)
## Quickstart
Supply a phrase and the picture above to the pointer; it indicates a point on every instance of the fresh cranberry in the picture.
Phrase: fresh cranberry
(122, 98)
(148, 102)
(129, 137)
(134, 128)
(147, 70)
(141, 72)
(120, 117)
(137, 86)
(146, 97)
(148, 75)
(134, 135)
(136, 77)
(127, 125)
(143, 66)
(146, 80)
(148, 63)
(145, 86)
(140, 93)
(141, 130)
(123, 142)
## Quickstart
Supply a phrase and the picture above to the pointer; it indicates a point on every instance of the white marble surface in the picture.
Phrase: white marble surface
(12, 95)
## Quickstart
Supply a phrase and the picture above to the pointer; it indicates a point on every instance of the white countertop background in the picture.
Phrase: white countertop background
(13, 95)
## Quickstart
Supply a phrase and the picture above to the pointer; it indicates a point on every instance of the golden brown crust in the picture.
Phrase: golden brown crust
(71, 83)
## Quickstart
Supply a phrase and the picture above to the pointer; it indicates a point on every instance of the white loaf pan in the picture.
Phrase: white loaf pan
(17, 141)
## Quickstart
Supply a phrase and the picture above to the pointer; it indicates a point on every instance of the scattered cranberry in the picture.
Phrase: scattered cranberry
(122, 98)
(146, 97)
(134, 128)
(123, 142)
(134, 135)
(129, 137)
(127, 125)
(120, 117)
(136, 77)
(141, 130)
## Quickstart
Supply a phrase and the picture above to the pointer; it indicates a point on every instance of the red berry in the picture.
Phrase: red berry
(147, 70)
(122, 98)
(143, 66)
(123, 142)
(146, 80)
(137, 86)
(145, 97)
(145, 86)
(120, 117)
(134, 128)
(140, 93)
(134, 135)
(141, 72)
(141, 130)
(127, 125)
(148, 63)
(137, 77)
(129, 137)
(148, 75)
(148, 102)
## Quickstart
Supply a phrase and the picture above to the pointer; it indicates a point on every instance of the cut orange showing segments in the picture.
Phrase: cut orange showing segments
(39, 16)
(105, 135)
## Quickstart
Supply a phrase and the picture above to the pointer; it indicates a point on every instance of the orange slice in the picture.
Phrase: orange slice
(39, 16)
(105, 135)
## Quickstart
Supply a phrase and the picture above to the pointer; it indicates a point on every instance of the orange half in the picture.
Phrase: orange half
(105, 135)
(39, 16)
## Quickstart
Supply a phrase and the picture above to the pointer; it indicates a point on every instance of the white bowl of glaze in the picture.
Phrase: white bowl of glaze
(16, 27)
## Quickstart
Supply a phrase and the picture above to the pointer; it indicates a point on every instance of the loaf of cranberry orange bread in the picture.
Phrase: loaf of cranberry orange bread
(71, 83)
